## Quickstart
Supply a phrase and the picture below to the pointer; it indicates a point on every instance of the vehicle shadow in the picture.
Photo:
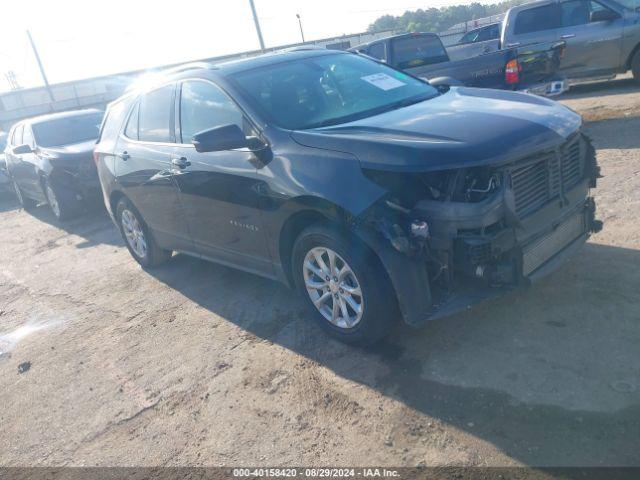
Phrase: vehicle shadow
(94, 225)
(615, 132)
(8, 201)
(549, 375)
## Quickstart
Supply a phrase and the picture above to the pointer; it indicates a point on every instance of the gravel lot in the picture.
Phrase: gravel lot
(197, 364)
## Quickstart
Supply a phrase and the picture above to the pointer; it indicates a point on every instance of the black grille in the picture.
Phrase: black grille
(571, 166)
(536, 181)
(530, 186)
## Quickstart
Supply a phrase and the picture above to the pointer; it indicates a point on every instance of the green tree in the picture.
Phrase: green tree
(439, 19)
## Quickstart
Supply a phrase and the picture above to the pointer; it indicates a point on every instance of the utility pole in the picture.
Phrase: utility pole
(255, 20)
(44, 76)
(300, 23)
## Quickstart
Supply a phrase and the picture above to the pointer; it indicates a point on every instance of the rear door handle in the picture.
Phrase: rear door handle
(181, 162)
(124, 156)
(568, 35)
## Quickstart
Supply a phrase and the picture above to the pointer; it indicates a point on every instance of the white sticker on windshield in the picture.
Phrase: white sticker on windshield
(383, 81)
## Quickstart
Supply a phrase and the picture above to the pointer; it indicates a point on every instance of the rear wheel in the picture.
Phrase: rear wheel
(63, 204)
(347, 290)
(635, 66)
(137, 237)
(25, 202)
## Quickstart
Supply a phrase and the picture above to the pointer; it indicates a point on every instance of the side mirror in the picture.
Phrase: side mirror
(603, 16)
(22, 149)
(227, 137)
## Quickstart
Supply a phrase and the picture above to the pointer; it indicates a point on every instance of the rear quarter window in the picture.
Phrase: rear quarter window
(112, 123)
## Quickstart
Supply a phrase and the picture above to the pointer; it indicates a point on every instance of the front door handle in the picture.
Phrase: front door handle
(124, 156)
(181, 162)
(568, 35)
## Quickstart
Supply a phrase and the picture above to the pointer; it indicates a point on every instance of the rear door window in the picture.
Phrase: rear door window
(415, 51)
(537, 19)
(154, 123)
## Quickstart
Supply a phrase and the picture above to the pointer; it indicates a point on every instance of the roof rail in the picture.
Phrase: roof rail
(299, 48)
(189, 66)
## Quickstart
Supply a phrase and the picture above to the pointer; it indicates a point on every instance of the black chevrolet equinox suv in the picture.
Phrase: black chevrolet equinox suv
(377, 195)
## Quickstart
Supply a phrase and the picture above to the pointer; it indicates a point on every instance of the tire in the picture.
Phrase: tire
(134, 231)
(63, 204)
(25, 202)
(635, 66)
(377, 301)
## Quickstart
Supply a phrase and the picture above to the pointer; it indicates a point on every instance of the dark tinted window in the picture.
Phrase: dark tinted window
(68, 130)
(489, 33)
(154, 124)
(328, 90)
(416, 51)
(132, 124)
(597, 7)
(537, 19)
(16, 140)
(377, 51)
(574, 12)
(204, 106)
(470, 37)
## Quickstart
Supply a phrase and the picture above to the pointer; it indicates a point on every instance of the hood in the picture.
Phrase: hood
(75, 151)
(461, 128)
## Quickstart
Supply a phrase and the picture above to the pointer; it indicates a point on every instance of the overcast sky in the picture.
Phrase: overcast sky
(86, 38)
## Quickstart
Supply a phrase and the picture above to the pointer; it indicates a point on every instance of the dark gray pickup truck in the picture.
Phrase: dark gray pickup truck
(532, 67)
(602, 37)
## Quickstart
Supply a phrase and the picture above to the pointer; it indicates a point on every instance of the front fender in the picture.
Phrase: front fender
(408, 276)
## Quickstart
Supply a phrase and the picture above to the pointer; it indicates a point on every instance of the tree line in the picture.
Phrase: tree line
(439, 19)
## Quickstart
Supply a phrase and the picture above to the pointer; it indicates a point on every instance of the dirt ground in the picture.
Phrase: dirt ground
(197, 364)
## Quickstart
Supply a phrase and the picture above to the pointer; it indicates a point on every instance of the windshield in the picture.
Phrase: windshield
(328, 90)
(67, 131)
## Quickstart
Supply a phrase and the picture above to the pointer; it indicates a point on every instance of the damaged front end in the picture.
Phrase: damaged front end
(479, 232)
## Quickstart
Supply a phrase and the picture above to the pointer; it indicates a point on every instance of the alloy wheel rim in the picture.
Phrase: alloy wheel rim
(333, 287)
(134, 233)
(53, 201)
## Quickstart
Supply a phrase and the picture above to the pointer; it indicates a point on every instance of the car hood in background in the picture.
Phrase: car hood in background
(77, 150)
(463, 127)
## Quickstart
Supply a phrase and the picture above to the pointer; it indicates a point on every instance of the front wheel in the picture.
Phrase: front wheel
(63, 204)
(346, 288)
(137, 237)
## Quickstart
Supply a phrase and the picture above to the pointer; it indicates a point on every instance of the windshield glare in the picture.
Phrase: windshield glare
(67, 131)
(328, 90)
